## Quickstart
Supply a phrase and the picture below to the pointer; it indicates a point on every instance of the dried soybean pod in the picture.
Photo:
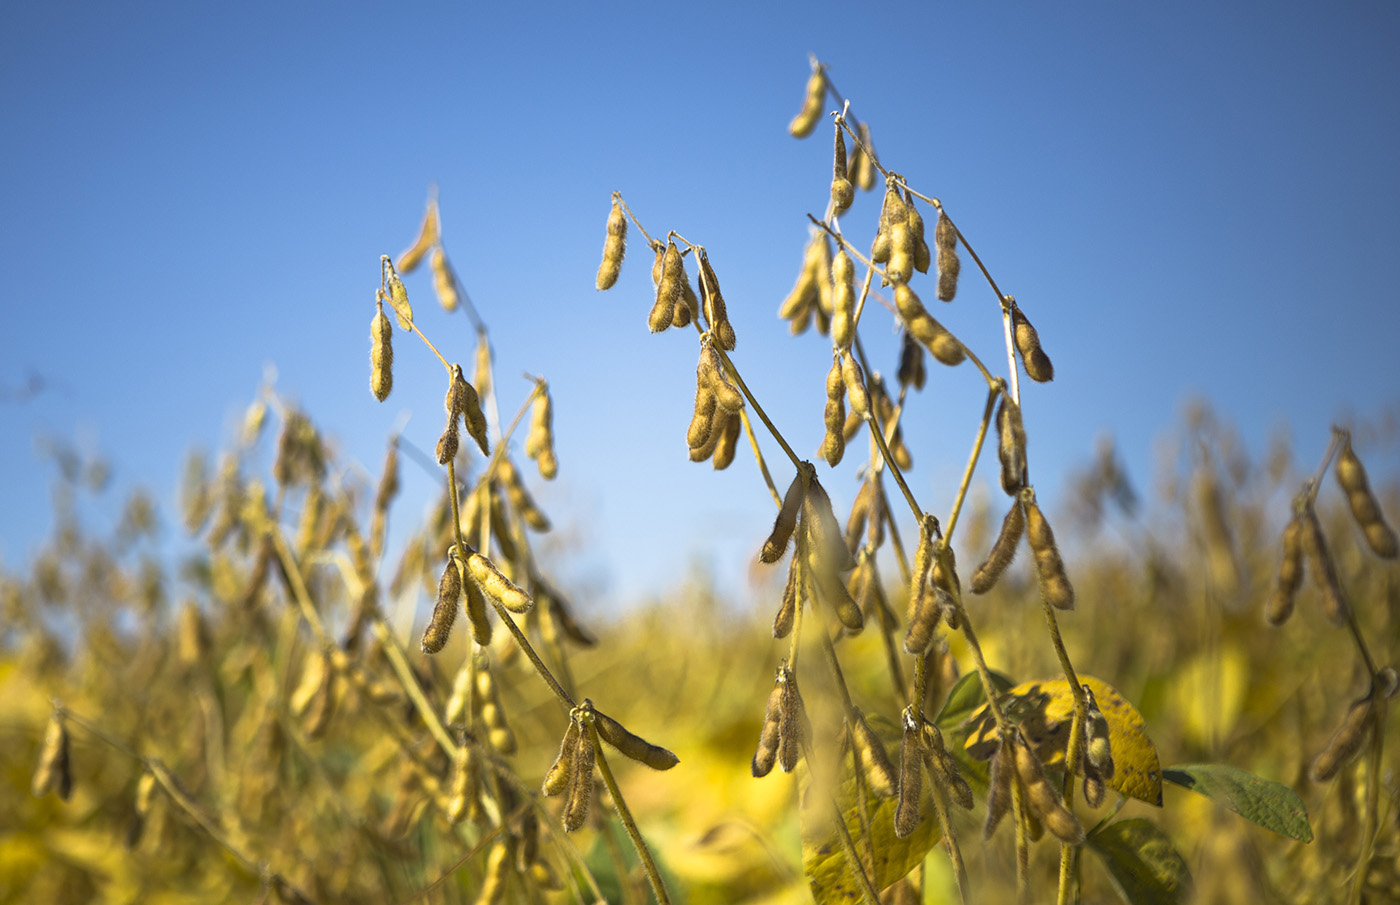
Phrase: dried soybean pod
(1098, 753)
(926, 611)
(428, 235)
(1036, 362)
(556, 779)
(520, 498)
(789, 720)
(1003, 775)
(493, 884)
(922, 259)
(834, 442)
(54, 771)
(634, 746)
(1094, 789)
(476, 614)
(728, 441)
(943, 767)
(911, 780)
(826, 544)
(819, 260)
(318, 707)
(668, 288)
(792, 597)
(863, 165)
(860, 514)
(444, 281)
(464, 401)
(1054, 582)
(381, 354)
(874, 760)
(842, 192)
(854, 378)
(614, 246)
(924, 328)
(1346, 741)
(489, 700)
(445, 612)
(495, 585)
(1365, 508)
(1324, 569)
(398, 298)
(833, 589)
(580, 783)
(945, 237)
(1003, 551)
(911, 361)
(715, 311)
(776, 544)
(539, 444)
(1290, 574)
(895, 226)
(806, 119)
(1044, 804)
(923, 565)
(843, 300)
(1011, 445)
(767, 754)
(710, 371)
(703, 421)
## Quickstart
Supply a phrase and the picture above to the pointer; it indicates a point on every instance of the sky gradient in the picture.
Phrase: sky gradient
(1190, 199)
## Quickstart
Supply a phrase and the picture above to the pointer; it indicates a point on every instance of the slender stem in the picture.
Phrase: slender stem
(878, 434)
(950, 840)
(738, 378)
(843, 834)
(394, 652)
(1374, 765)
(620, 804)
(758, 457)
(534, 658)
(971, 466)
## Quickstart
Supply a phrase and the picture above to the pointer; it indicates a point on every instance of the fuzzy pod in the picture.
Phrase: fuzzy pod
(944, 769)
(1365, 508)
(398, 298)
(444, 281)
(1011, 446)
(520, 499)
(999, 793)
(843, 300)
(1033, 357)
(428, 236)
(445, 611)
(826, 544)
(1054, 581)
(854, 379)
(907, 814)
(702, 422)
(614, 247)
(925, 329)
(790, 726)
(316, 713)
(1003, 551)
(1324, 568)
(462, 399)
(911, 361)
(711, 372)
(945, 238)
(1098, 753)
(580, 794)
(556, 778)
(634, 746)
(842, 191)
(669, 276)
(862, 167)
(806, 120)
(715, 311)
(496, 586)
(1043, 803)
(798, 305)
(728, 443)
(923, 620)
(381, 355)
(833, 590)
(54, 771)
(922, 259)
(768, 739)
(492, 714)
(924, 555)
(792, 598)
(1290, 574)
(874, 760)
(1346, 741)
(834, 442)
(859, 517)
(1094, 789)
(476, 614)
(776, 544)
(540, 441)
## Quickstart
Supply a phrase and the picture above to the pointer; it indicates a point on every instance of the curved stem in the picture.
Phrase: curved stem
(620, 804)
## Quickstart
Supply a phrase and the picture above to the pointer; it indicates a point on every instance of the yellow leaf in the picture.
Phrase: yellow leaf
(1044, 709)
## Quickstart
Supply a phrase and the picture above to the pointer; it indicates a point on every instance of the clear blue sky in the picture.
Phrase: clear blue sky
(1187, 198)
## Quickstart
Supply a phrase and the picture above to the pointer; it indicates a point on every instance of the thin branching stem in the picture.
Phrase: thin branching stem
(620, 805)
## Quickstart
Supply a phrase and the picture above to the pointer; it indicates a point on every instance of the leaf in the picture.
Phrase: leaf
(1270, 804)
(967, 696)
(1144, 865)
(824, 858)
(1044, 710)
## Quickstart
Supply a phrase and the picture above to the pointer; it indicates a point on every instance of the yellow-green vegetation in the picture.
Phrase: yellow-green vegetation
(1172, 717)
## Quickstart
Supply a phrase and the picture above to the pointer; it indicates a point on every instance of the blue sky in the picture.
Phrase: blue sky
(1187, 199)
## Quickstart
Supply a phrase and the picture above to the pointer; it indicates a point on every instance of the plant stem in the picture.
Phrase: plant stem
(620, 804)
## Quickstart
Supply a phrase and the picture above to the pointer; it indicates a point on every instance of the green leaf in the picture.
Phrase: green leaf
(966, 697)
(1144, 865)
(1270, 804)
(824, 858)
